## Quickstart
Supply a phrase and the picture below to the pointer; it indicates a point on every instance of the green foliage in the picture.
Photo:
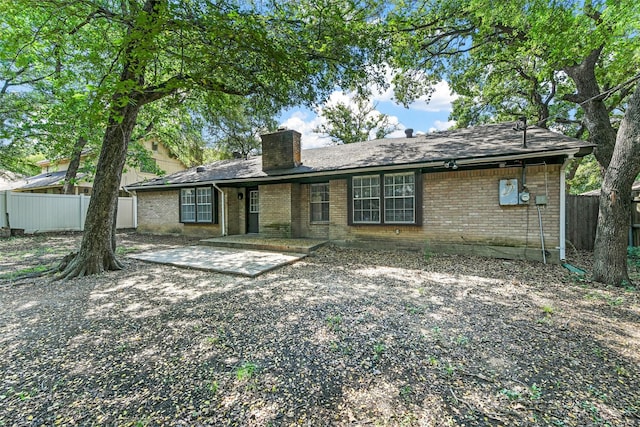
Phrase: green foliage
(334, 322)
(63, 78)
(346, 124)
(511, 394)
(378, 350)
(246, 371)
(24, 272)
(427, 253)
(507, 59)
(587, 177)
(237, 128)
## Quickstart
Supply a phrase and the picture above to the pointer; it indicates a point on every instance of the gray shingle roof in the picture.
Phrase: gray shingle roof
(48, 179)
(471, 143)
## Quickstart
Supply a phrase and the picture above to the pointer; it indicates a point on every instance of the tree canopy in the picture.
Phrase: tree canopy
(122, 56)
(565, 63)
(346, 124)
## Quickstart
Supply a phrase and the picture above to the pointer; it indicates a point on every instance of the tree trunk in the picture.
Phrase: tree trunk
(74, 165)
(97, 251)
(610, 253)
(595, 111)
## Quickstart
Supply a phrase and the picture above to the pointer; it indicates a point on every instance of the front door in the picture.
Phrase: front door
(253, 210)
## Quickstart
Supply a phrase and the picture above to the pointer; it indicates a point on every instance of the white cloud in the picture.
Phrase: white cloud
(440, 125)
(441, 99)
(305, 124)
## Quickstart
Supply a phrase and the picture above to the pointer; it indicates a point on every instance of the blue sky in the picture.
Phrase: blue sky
(421, 116)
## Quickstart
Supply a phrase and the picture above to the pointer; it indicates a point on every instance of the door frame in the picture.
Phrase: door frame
(248, 213)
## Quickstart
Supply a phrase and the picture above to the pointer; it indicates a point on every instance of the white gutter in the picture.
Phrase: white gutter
(135, 206)
(222, 209)
(440, 163)
(563, 208)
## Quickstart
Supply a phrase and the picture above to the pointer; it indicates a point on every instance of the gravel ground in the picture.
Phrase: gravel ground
(344, 337)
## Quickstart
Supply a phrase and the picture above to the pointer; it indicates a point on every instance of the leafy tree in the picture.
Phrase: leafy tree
(346, 124)
(568, 60)
(237, 129)
(615, 203)
(147, 50)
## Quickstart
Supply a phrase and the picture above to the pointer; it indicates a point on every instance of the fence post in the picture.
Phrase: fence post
(83, 216)
(4, 212)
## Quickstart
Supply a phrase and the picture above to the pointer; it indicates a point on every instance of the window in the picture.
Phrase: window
(366, 199)
(196, 205)
(395, 203)
(399, 198)
(319, 202)
(254, 202)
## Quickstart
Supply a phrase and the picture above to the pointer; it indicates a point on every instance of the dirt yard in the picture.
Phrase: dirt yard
(344, 337)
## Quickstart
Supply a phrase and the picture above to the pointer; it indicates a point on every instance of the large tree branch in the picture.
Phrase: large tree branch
(175, 83)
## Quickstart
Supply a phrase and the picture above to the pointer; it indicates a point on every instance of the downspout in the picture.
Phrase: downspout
(563, 208)
(222, 209)
(135, 206)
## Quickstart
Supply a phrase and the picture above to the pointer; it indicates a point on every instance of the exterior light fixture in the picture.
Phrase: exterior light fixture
(451, 164)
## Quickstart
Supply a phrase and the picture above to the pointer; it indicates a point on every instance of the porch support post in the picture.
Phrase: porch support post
(223, 224)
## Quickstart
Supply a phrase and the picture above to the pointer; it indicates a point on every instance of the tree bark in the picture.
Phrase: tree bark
(74, 165)
(610, 252)
(97, 251)
(595, 111)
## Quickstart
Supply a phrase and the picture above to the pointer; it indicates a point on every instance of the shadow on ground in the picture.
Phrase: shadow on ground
(343, 337)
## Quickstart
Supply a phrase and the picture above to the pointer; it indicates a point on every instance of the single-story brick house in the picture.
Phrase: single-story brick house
(478, 190)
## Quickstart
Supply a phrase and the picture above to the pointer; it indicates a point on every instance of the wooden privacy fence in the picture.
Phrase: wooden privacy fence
(37, 213)
(582, 219)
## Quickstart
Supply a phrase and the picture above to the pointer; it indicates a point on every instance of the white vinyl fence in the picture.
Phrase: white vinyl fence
(37, 213)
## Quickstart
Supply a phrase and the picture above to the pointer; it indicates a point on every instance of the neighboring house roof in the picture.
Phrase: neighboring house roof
(50, 179)
(596, 192)
(482, 142)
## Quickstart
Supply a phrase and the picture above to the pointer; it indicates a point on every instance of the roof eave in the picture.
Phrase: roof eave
(575, 151)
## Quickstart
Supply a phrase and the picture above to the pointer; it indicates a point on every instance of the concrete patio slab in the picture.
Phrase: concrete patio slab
(242, 262)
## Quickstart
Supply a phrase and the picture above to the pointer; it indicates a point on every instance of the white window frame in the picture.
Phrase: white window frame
(363, 190)
(321, 190)
(254, 202)
(399, 189)
(201, 201)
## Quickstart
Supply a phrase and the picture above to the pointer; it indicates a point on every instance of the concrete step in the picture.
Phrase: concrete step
(256, 242)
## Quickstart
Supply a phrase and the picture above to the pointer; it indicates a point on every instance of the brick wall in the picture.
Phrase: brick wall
(158, 212)
(459, 207)
(231, 210)
(275, 210)
(463, 207)
(307, 228)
